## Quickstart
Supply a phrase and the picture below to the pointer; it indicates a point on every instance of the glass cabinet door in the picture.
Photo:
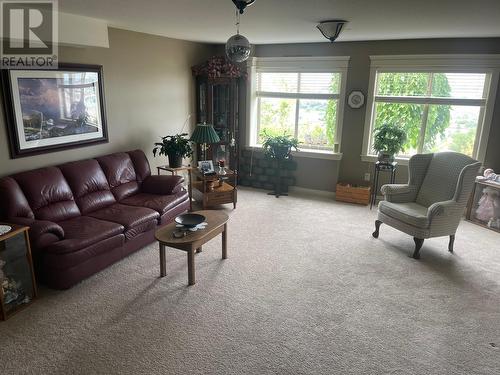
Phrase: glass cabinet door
(16, 277)
(221, 109)
(223, 120)
(202, 115)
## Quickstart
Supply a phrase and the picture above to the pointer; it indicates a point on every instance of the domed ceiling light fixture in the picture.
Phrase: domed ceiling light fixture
(331, 29)
(242, 4)
(238, 47)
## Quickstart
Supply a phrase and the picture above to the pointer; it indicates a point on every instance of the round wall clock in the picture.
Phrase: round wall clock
(356, 99)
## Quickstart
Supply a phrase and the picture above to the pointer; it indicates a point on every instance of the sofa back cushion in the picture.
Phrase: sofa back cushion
(13, 202)
(48, 194)
(440, 182)
(120, 173)
(141, 164)
(89, 185)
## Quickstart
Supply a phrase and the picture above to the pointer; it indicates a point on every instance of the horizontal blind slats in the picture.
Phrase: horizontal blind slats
(299, 83)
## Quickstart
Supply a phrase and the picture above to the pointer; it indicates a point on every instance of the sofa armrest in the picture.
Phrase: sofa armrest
(39, 227)
(399, 193)
(42, 233)
(162, 185)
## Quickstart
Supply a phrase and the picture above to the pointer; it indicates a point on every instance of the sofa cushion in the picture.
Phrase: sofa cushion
(83, 231)
(171, 214)
(136, 220)
(120, 173)
(409, 213)
(89, 185)
(13, 202)
(141, 164)
(48, 194)
(65, 259)
(159, 203)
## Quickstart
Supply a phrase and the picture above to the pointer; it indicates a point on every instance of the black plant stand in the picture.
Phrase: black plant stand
(382, 166)
(278, 192)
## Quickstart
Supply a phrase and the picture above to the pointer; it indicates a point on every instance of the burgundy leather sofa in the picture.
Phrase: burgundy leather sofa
(88, 214)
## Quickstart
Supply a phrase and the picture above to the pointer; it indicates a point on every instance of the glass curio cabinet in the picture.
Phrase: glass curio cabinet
(217, 85)
(17, 279)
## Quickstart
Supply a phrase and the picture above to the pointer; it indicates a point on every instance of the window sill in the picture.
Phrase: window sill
(374, 158)
(313, 154)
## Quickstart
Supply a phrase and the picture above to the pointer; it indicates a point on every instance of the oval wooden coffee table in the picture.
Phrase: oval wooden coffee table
(193, 241)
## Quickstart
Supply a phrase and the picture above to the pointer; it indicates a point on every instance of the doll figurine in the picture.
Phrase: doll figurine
(489, 207)
(490, 175)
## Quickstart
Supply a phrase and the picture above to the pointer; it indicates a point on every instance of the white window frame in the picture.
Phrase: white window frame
(328, 64)
(470, 63)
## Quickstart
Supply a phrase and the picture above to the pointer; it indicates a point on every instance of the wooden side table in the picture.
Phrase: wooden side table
(175, 172)
(215, 189)
(17, 277)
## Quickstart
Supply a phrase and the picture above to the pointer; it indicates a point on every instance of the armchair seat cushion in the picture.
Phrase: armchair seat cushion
(159, 203)
(136, 220)
(81, 232)
(410, 213)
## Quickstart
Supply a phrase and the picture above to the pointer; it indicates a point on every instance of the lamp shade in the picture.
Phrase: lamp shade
(204, 133)
(331, 29)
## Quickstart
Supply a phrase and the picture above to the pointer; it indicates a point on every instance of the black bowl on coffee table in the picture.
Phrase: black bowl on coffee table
(190, 220)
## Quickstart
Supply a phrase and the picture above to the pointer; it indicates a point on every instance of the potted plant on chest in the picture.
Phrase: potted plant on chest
(176, 147)
(388, 141)
(278, 148)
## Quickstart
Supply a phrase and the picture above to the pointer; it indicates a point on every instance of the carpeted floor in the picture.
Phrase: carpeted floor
(306, 290)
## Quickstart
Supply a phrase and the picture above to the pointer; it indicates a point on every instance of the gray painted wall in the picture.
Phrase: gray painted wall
(322, 174)
(149, 92)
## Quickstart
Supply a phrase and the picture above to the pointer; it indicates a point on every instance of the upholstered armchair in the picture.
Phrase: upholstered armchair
(433, 201)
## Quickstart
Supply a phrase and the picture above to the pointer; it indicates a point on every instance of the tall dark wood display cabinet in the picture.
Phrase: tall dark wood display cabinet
(217, 85)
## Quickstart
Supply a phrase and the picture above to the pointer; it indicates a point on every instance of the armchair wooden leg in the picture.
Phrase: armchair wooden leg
(418, 245)
(377, 227)
(450, 244)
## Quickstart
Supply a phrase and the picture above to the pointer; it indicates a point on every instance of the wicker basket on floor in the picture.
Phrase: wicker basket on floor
(352, 193)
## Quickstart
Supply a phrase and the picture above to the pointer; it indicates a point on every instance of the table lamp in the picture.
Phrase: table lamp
(204, 134)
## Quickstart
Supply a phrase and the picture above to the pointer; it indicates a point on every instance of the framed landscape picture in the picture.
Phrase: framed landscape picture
(51, 110)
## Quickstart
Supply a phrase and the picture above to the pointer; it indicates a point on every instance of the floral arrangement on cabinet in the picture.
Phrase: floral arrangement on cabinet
(218, 66)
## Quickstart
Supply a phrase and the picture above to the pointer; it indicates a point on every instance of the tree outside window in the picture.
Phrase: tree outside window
(438, 111)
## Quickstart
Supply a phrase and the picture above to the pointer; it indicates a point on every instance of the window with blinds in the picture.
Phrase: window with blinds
(439, 111)
(300, 104)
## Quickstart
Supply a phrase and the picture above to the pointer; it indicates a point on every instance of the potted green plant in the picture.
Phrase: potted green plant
(175, 147)
(388, 141)
(279, 146)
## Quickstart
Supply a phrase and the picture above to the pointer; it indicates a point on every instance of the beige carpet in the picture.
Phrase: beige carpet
(306, 290)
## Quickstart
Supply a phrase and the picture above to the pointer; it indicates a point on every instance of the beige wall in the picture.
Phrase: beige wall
(351, 168)
(149, 93)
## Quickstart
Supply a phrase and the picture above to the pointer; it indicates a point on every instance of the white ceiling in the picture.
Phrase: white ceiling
(294, 21)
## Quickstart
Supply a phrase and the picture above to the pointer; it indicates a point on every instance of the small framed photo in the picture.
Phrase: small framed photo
(206, 166)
